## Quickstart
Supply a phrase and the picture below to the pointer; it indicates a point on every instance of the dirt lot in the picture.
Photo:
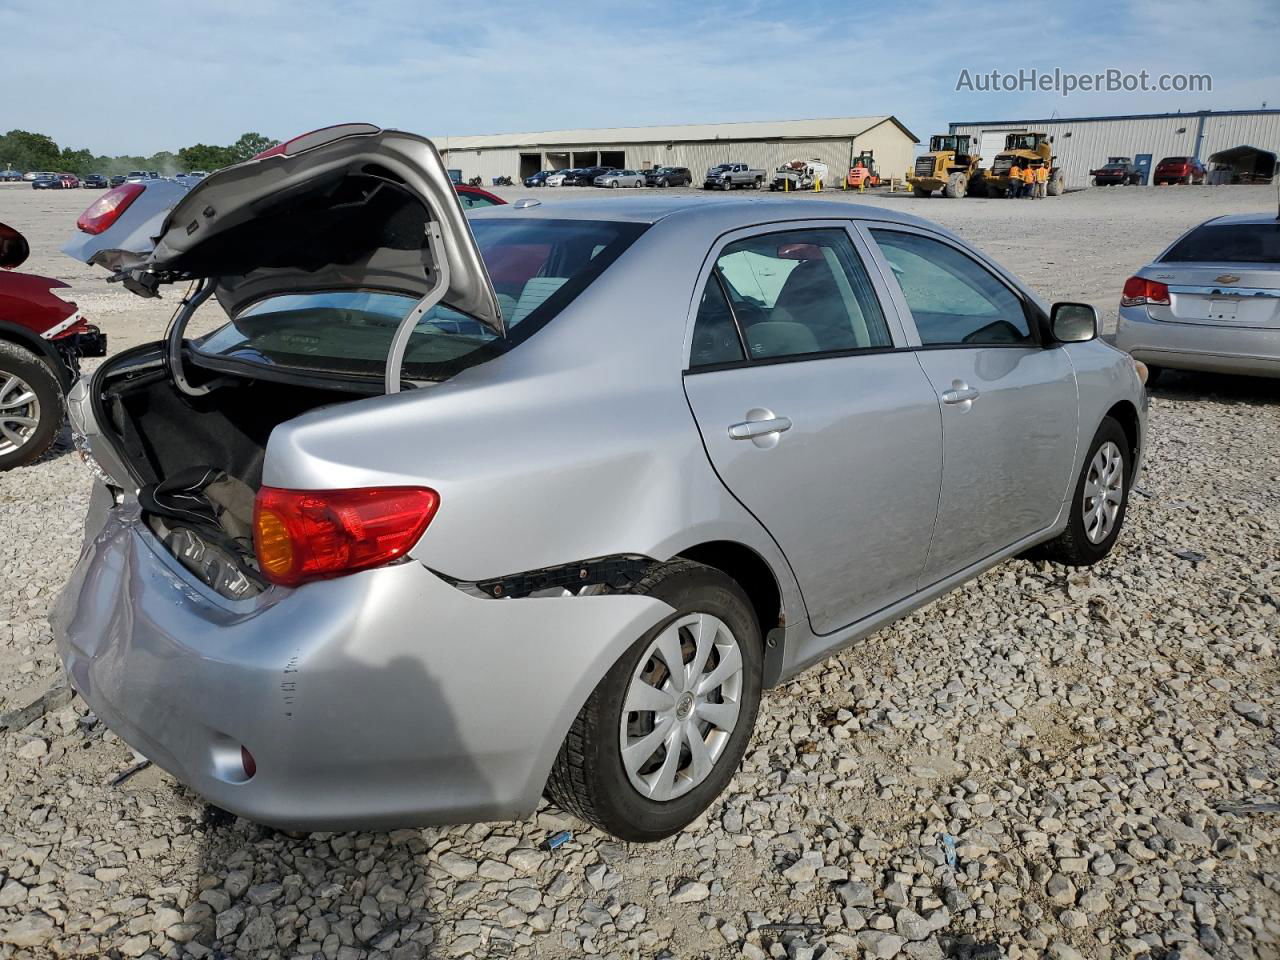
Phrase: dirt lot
(1040, 764)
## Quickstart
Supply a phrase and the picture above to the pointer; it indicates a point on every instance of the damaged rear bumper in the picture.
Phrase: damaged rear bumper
(385, 698)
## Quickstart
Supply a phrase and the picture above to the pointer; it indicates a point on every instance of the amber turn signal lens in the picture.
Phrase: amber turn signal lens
(273, 543)
(1142, 371)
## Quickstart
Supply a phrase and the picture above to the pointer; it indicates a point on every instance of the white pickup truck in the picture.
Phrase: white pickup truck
(726, 176)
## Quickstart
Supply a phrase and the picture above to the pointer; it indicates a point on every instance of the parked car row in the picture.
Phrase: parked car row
(611, 177)
(49, 180)
(1122, 171)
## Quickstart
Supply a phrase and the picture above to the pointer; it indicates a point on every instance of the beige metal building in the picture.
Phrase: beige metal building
(764, 144)
(1245, 143)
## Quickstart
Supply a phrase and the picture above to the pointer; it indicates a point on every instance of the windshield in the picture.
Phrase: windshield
(1023, 141)
(955, 144)
(537, 266)
(1228, 243)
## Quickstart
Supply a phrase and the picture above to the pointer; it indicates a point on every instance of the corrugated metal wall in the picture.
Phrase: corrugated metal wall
(1092, 141)
(892, 148)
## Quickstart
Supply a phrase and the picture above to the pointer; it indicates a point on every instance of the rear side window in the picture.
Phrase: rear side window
(537, 267)
(1228, 242)
(472, 201)
(954, 301)
(797, 292)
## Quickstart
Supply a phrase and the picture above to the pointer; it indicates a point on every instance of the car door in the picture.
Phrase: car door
(812, 414)
(1009, 404)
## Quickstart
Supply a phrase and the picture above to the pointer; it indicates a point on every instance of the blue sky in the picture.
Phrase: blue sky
(160, 75)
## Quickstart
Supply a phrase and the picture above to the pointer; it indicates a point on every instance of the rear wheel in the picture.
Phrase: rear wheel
(1098, 502)
(30, 406)
(664, 731)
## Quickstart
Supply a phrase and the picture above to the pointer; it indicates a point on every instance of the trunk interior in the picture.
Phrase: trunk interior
(205, 453)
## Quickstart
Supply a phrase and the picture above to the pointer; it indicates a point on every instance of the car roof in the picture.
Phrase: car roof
(1232, 218)
(716, 213)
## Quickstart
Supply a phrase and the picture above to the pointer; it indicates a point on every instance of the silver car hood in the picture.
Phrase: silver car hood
(344, 208)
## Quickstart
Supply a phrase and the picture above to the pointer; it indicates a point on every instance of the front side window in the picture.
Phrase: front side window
(537, 268)
(793, 293)
(954, 300)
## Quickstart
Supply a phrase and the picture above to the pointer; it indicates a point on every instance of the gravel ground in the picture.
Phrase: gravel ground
(1044, 763)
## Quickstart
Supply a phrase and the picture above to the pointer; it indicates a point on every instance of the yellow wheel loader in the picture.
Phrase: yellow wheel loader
(1024, 149)
(950, 166)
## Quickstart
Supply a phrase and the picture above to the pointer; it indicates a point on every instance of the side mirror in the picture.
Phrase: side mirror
(13, 248)
(1073, 322)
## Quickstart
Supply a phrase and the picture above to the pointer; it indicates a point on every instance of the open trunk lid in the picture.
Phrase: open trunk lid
(350, 207)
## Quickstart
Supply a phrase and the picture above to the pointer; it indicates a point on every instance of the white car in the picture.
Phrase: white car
(557, 179)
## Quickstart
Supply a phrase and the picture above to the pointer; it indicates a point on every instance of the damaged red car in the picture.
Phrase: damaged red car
(42, 340)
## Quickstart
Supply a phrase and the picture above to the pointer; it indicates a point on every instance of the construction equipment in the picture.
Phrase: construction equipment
(950, 166)
(1024, 149)
(799, 175)
(862, 172)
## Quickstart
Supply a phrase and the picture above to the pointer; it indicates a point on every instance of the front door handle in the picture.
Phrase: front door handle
(750, 429)
(960, 392)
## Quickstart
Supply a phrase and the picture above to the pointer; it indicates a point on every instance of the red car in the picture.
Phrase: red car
(1178, 170)
(473, 197)
(42, 338)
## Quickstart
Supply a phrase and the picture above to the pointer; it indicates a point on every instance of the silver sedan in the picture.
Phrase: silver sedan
(542, 502)
(620, 178)
(1210, 302)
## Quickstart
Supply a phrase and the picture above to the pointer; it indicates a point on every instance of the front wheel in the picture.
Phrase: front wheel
(30, 406)
(663, 733)
(1099, 501)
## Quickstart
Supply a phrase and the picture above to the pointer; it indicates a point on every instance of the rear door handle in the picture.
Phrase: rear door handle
(750, 429)
(960, 392)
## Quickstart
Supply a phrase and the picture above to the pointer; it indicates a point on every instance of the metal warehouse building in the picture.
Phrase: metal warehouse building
(764, 144)
(1246, 141)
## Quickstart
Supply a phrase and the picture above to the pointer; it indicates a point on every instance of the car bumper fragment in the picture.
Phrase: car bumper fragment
(1251, 351)
(385, 698)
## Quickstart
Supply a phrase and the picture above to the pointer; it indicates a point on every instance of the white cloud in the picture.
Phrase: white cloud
(163, 76)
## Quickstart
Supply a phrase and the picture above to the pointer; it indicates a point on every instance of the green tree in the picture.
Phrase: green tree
(29, 151)
(78, 162)
(250, 145)
(201, 156)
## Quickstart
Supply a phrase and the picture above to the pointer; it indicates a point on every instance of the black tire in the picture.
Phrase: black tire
(35, 373)
(1073, 546)
(1153, 374)
(921, 192)
(588, 778)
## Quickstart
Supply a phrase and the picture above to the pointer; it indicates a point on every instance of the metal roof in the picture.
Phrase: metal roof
(841, 127)
(724, 213)
(1123, 116)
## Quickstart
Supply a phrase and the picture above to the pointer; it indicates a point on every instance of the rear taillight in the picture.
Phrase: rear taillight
(302, 535)
(1139, 291)
(106, 210)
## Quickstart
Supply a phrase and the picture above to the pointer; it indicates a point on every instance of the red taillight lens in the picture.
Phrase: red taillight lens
(1139, 291)
(302, 535)
(250, 765)
(106, 210)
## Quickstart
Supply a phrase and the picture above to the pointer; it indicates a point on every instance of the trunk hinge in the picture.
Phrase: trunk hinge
(173, 339)
(395, 358)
